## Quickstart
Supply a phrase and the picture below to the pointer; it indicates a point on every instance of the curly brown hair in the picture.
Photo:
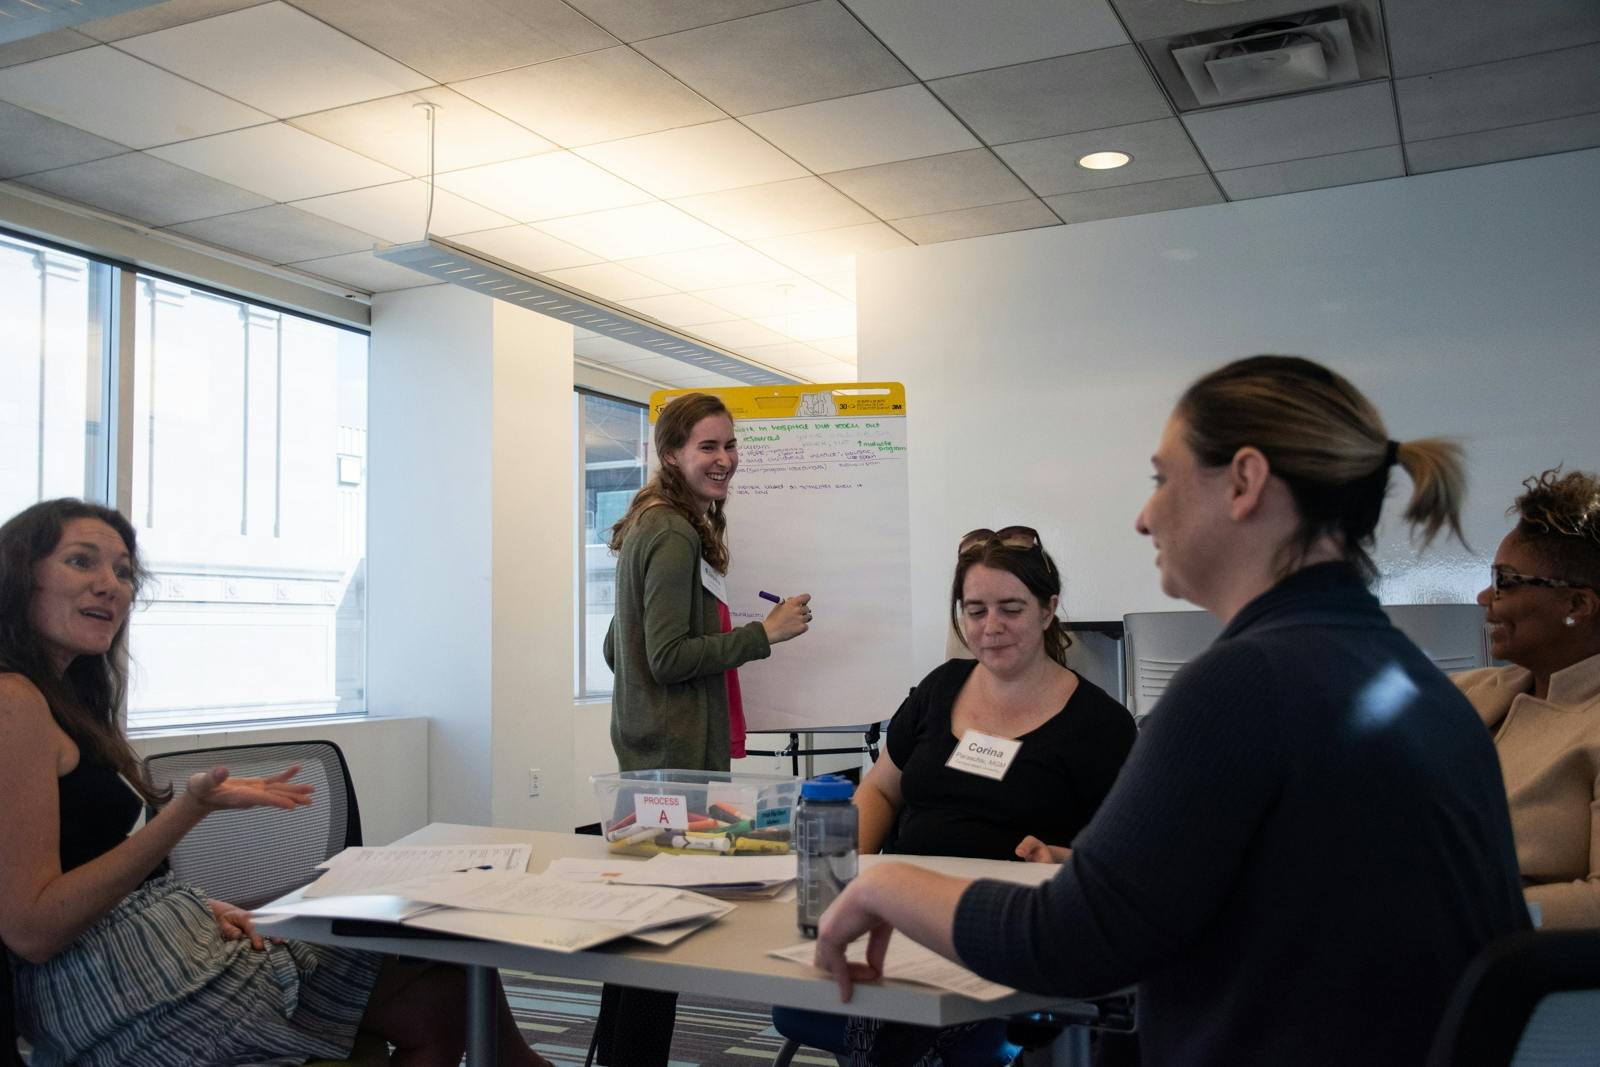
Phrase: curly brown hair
(1558, 515)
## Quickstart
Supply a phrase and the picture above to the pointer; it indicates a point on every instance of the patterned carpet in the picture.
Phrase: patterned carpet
(557, 1017)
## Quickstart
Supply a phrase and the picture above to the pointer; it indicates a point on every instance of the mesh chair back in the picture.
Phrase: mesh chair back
(250, 857)
(1529, 1000)
(1452, 635)
(1158, 644)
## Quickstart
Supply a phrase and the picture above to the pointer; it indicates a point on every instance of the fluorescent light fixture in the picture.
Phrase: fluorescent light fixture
(438, 258)
(26, 18)
(1105, 160)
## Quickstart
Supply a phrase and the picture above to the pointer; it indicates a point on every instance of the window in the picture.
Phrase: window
(248, 474)
(54, 360)
(614, 438)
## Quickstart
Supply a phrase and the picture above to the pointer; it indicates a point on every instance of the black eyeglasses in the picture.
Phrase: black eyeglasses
(1502, 578)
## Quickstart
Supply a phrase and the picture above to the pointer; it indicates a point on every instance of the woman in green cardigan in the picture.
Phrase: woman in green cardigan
(673, 653)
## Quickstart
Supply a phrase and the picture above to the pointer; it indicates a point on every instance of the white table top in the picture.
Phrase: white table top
(726, 959)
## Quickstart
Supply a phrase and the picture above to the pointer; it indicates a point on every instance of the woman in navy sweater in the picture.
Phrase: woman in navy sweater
(1310, 839)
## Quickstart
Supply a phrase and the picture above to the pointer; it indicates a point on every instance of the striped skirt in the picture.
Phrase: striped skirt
(153, 984)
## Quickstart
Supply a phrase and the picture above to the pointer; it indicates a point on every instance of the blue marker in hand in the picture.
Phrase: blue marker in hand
(774, 597)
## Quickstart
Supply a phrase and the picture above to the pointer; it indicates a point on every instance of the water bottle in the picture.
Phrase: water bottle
(826, 834)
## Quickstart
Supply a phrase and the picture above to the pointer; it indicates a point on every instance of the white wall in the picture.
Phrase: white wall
(1040, 366)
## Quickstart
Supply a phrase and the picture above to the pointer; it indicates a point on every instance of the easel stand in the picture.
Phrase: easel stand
(869, 745)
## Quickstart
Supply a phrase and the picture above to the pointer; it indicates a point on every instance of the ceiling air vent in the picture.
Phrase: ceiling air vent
(1286, 55)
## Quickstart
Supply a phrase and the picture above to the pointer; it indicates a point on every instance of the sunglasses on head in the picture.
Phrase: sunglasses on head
(1018, 537)
(1502, 578)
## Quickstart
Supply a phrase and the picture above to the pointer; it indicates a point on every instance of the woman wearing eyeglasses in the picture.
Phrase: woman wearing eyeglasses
(1006, 756)
(1544, 710)
(1310, 840)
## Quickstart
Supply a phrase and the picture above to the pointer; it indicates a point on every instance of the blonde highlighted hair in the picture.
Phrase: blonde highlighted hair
(1558, 515)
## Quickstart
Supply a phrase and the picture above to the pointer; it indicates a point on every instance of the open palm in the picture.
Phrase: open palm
(216, 790)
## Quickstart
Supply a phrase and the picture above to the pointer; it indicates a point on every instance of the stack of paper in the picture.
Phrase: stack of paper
(908, 961)
(749, 877)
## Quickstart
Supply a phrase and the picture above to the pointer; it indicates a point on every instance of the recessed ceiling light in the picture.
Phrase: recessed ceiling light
(1105, 160)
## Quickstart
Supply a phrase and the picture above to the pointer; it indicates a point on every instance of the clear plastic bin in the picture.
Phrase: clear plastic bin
(697, 812)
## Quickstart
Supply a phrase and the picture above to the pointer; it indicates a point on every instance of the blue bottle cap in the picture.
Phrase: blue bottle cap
(827, 787)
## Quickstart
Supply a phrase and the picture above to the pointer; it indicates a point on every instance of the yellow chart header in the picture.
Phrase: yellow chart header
(806, 401)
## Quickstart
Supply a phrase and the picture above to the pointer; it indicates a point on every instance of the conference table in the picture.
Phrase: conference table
(727, 958)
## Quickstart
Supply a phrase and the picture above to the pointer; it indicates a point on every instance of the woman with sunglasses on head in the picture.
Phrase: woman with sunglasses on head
(1005, 756)
(674, 653)
(1544, 710)
(116, 963)
(1310, 840)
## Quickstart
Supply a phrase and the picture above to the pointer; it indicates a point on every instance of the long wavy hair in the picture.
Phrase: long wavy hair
(666, 488)
(85, 699)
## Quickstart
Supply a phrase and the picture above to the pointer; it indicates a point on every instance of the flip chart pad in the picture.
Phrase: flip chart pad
(819, 505)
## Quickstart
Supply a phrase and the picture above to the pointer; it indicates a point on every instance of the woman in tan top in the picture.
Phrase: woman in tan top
(1544, 709)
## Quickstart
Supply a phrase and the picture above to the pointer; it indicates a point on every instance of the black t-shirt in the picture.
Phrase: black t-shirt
(1061, 772)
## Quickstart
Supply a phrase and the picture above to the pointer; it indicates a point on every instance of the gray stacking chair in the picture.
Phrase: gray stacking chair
(1452, 635)
(1529, 1000)
(1158, 644)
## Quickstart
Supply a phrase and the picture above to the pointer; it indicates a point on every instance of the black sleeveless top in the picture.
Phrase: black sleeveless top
(98, 810)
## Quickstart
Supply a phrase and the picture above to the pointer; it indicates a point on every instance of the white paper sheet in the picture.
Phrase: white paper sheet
(631, 907)
(694, 872)
(535, 931)
(369, 870)
(377, 907)
(907, 961)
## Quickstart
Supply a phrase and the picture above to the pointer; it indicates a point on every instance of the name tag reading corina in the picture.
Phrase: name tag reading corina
(983, 754)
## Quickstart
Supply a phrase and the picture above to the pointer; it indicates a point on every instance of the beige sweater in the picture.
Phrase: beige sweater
(1550, 756)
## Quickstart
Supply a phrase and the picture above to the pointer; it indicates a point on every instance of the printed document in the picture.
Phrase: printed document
(376, 870)
(907, 961)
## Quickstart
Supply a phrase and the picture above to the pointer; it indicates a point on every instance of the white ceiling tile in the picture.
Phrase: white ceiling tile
(609, 282)
(1424, 37)
(1160, 149)
(1087, 91)
(976, 222)
(841, 348)
(678, 309)
(1319, 172)
(542, 187)
(934, 183)
(599, 96)
(122, 99)
(448, 43)
(30, 142)
(842, 282)
(159, 16)
(823, 251)
(1120, 200)
(366, 272)
(857, 131)
(707, 158)
(278, 161)
(276, 58)
(630, 232)
(811, 326)
(710, 268)
(763, 299)
(1296, 127)
(42, 45)
(526, 247)
(791, 56)
(394, 130)
(776, 209)
(936, 38)
(634, 20)
(277, 234)
(793, 354)
(1511, 142)
(149, 190)
(738, 334)
(833, 371)
(399, 212)
(1512, 92)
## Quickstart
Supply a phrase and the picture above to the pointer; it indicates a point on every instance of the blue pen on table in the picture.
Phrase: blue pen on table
(774, 597)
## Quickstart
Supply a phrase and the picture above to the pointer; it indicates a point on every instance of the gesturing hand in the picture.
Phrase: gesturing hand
(215, 790)
(846, 919)
(790, 619)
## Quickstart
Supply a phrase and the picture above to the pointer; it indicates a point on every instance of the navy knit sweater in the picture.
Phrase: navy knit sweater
(1308, 843)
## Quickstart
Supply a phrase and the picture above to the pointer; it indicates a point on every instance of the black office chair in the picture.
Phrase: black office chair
(250, 857)
(1528, 1000)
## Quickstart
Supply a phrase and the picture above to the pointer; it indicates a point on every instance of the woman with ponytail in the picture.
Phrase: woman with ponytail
(1310, 840)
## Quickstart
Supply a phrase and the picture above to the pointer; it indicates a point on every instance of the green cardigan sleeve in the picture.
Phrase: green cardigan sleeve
(674, 649)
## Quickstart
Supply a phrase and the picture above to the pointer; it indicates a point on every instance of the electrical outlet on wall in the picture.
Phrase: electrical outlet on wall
(535, 781)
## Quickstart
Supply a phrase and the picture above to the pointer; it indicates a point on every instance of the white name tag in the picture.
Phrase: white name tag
(664, 811)
(716, 584)
(983, 755)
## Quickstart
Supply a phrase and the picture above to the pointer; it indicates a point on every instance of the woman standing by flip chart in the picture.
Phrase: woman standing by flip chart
(674, 653)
